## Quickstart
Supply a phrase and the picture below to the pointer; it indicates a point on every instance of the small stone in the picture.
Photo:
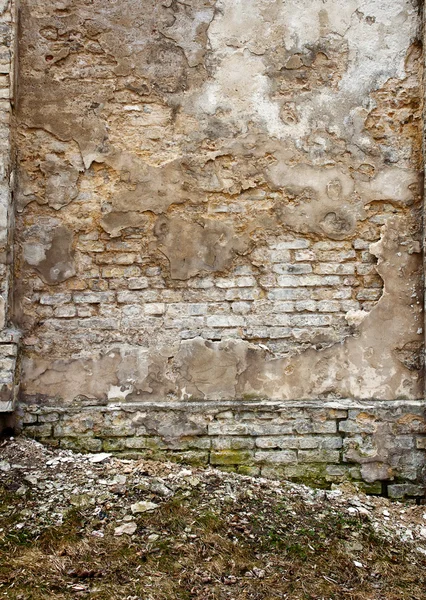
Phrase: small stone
(98, 534)
(4, 466)
(126, 528)
(80, 500)
(354, 546)
(153, 537)
(158, 487)
(358, 564)
(100, 457)
(144, 506)
(193, 481)
(31, 479)
(260, 573)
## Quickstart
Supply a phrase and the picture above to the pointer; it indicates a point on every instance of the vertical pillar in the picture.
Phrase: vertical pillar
(8, 336)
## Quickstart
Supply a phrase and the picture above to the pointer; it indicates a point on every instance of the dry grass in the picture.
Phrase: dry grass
(247, 548)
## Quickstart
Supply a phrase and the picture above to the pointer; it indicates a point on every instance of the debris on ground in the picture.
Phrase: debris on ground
(107, 527)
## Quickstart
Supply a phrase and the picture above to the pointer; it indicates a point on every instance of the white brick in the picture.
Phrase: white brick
(307, 280)
(93, 297)
(328, 245)
(193, 323)
(331, 294)
(311, 320)
(329, 306)
(336, 255)
(360, 244)
(309, 305)
(155, 308)
(283, 307)
(241, 308)
(369, 294)
(55, 299)
(138, 283)
(265, 333)
(132, 310)
(129, 297)
(302, 255)
(296, 244)
(268, 281)
(296, 269)
(203, 283)
(242, 294)
(65, 311)
(365, 269)
(334, 268)
(278, 256)
(229, 282)
(225, 321)
(349, 305)
(288, 294)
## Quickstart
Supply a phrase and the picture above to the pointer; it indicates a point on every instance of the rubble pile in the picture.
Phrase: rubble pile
(114, 491)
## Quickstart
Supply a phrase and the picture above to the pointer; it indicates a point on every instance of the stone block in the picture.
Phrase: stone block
(272, 442)
(362, 426)
(113, 444)
(303, 426)
(376, 471)
(364, 449)
(190, 457)
(136, 443)
(331, 442)
(232, 443)
(81, 444)
(231, 457)
(409, 423)
(277, 456)
(319, 456)
(324, 427)
(28, 418)
(50, 417)
(43, 430)
(248, 470)
(402, 490)
(256, 429)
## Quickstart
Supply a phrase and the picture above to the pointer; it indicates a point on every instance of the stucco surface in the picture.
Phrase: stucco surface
(219, 200)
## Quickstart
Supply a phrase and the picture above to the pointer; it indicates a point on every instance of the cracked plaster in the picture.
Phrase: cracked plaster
(173, 144)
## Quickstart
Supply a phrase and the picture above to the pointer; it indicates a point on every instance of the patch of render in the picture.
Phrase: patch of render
(188, 253)
(250, 38)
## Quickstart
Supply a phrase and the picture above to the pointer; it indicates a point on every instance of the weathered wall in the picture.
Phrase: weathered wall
(220, 201)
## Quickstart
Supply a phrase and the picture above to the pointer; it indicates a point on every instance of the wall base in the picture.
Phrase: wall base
(381, 445)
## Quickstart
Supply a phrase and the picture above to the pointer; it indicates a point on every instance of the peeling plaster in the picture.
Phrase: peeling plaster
(238, 183)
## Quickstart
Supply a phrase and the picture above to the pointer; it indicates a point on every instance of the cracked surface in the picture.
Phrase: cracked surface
(220, 199)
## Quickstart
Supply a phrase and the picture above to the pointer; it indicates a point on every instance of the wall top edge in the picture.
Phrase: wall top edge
(233, 405)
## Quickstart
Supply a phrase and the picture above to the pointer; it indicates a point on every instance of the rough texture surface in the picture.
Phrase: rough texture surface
(220, 200)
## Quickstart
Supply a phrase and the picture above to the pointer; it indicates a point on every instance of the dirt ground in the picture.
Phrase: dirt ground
(96, 526)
